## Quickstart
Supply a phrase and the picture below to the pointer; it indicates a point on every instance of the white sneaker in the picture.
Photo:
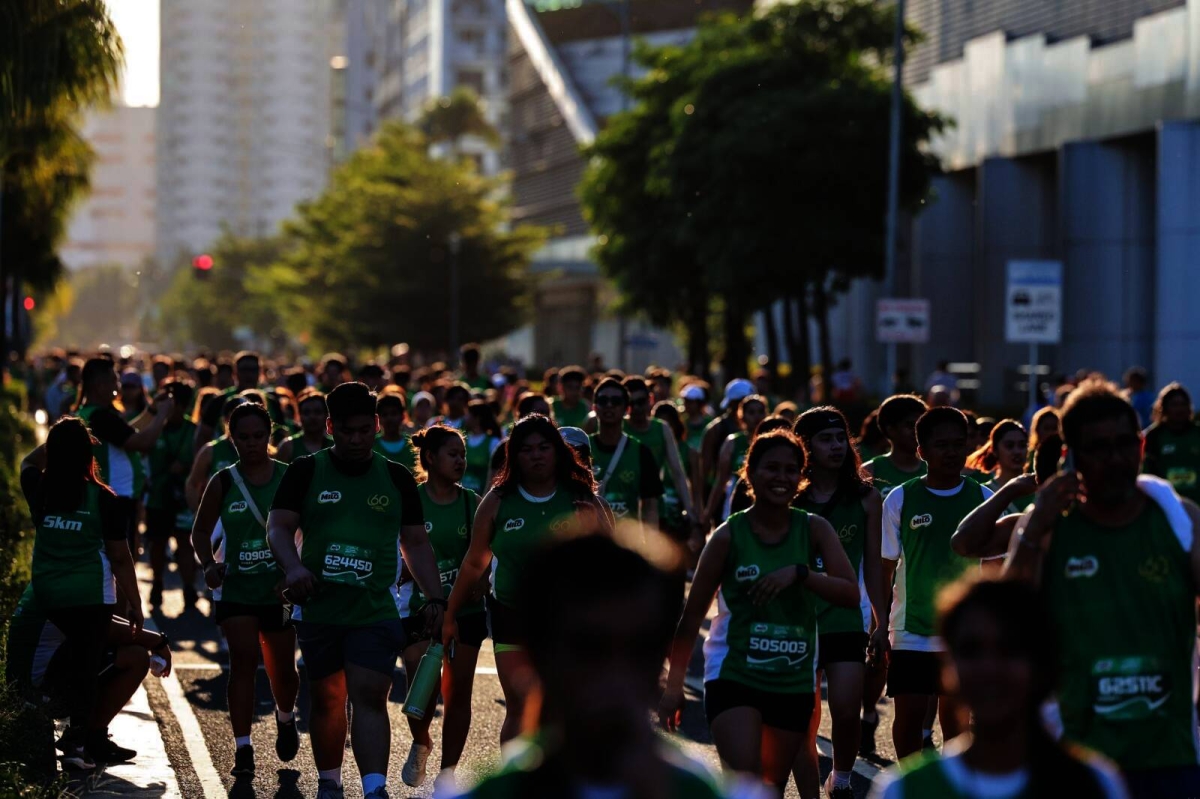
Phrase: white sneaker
(445, 785)
(413, 773)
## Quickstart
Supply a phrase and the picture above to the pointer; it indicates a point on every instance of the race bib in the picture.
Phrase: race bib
(348, 564)
(1129, 689)
(448, 573)
(777, 648)
(255, 556)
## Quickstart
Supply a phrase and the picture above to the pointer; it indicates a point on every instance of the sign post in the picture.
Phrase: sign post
(1033, 313)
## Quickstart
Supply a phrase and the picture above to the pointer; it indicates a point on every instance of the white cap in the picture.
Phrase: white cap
(425, 396)
(694, 393)
(575, 437)
(736, 391)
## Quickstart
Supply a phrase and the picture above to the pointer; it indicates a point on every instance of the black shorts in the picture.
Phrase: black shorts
(160, 522)
(504, 625)
(472, 629)
(327, 648)
(842, 648)
(271, 618)
(912, 672)
(791, 712)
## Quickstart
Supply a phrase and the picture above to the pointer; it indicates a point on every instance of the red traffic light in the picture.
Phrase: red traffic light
(29, 303)
(203, 262)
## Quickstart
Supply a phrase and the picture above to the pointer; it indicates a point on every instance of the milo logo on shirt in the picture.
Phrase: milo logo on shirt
(919, 521)
(255, 556)
(746, 573)
(513, 524)
(1129, 688)
(1087, 566)
(329, 497)
(59, 523)
(237, 507)
(348, 564)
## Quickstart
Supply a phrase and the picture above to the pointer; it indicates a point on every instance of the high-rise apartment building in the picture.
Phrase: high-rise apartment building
(434, 46)
(243, 119)
(115, 223)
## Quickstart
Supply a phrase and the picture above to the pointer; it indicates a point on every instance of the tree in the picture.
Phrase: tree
(100, 306)
(368, 261)
(763, 156)
(218, 308)
(447, 120)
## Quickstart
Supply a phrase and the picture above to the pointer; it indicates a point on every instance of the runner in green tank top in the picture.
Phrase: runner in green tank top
(314, 434)
(732, 457)
(760, 655)
(1173, 442)
(80, 560)
(1120, 573)
(838, 492)
(392, 442)
(167, 513)
(349, 511)
(245, 579)
(625, 470)
(897, 421)
(483, 437)
(449, 511)
(999, 641)
(570, 409)
(919, 519)
(542, 491)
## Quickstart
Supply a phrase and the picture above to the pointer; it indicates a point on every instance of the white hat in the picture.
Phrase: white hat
(736, 391)
(423, 396)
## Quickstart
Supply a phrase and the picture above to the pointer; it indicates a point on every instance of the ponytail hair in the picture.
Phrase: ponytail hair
(70, 464)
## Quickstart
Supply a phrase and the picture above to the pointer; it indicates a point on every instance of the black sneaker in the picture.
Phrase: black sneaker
(76, 757)
(866, 740)
(243, 762)
(287, 739)
(103, 749)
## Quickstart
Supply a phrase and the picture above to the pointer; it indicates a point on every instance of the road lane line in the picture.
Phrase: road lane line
(225, 667)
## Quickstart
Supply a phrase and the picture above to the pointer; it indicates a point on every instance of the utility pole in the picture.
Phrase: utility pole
(893, 193)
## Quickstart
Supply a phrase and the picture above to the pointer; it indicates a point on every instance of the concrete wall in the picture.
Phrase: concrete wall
(1176, 321)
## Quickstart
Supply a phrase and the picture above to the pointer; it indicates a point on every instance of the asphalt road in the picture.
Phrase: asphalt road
(199, 667)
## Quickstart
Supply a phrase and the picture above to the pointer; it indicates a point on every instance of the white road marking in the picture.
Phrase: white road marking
(225, 667)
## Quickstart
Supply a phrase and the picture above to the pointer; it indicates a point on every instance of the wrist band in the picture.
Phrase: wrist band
(439, 602)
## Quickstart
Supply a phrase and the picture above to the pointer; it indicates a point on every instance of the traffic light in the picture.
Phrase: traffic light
(29, 304)
(202, 264)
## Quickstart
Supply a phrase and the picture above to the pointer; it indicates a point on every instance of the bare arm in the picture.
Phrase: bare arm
(284, 453)
(122, 568)
(724, 469)
(704, 587)
(281, 537)
(837, 584)
(479, 554)
(889, 574)
(193, 489)
(143, 440)
(978, 535)
(420, 560)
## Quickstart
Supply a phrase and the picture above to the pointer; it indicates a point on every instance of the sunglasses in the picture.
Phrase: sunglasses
(609, 402)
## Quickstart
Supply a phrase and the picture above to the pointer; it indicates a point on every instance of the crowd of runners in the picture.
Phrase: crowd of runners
(1027, 587)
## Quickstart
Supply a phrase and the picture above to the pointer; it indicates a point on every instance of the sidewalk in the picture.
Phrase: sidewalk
(150, 774)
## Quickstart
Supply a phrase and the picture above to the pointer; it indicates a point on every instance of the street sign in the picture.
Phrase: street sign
(1034, 302)
(902, 321)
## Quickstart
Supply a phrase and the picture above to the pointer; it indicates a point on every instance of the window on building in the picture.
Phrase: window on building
(471, 78)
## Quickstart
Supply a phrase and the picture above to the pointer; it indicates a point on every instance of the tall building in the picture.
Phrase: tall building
(1077, 139)
(244, 117)
(562, 61)
(115, 223)
(435, 46)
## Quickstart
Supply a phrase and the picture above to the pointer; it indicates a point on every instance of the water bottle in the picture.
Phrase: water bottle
(157, 665)
(425, 683)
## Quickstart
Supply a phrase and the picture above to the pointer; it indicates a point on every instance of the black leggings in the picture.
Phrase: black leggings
(86, 630)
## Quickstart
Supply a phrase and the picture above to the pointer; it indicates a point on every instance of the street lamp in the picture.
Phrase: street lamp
(455, 244)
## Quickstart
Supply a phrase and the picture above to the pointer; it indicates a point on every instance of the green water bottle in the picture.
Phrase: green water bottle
(425, 683)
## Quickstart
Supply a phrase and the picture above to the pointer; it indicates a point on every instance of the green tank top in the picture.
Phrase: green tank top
(694, 436)
(449, 530)
(624, 486)
(108, 456)
(771, 647)
(300, 449)
(522, 525)
(922, 775)
(927, 563)
(173, 446)
(401, 452)
(224, 455)
(70, 564)
(849, 521)
(741, 448)
(569, 417)
(887, 476)
(251, 573)
(653, 439)
(1125, 605)
(479, 460)
(1176, 457)
(350, 530)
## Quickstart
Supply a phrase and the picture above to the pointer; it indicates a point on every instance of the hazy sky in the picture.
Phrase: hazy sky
(137, 22)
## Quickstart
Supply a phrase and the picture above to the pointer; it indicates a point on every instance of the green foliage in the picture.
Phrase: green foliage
(104, 307)
(753, 161)
(369, 261)
(208, 308)
(449, 119)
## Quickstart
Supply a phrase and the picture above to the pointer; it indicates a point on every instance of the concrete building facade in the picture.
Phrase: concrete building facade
(1077, 139)
(115, 224)
(244, 117)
